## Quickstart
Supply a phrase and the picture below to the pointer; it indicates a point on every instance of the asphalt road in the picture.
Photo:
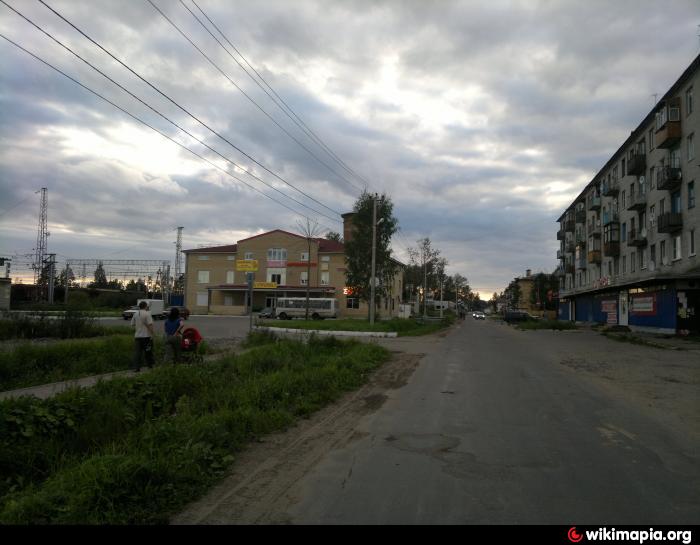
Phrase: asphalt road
(223, 327)
(492, 429)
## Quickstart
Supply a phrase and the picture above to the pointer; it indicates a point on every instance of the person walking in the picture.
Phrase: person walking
(173, 333)
(143, 336)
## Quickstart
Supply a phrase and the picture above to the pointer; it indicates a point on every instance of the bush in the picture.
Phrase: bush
(71, 324)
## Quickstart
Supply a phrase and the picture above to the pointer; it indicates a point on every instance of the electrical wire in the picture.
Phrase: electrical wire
(331, 169)
(159, 113)
(296, 119)
(136, 118)
(182, 108)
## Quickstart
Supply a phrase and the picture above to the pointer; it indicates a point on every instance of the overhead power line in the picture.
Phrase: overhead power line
(286, 109)
(180, 107)
(136, 118)
(331, 169)
(163, 116)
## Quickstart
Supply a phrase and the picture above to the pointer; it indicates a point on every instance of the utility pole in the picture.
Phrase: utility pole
(65, 293)
(178, 256)
(41, 239)
(374, 258)
(51, 263)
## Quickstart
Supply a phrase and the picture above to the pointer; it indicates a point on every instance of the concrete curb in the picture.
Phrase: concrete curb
(384, 334)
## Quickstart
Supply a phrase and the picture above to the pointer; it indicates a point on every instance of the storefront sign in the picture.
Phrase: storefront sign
(247, 265)
(644, 305)
(265, 285)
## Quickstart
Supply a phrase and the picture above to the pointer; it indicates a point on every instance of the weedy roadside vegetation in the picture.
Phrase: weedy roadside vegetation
(558, 325)
(136, 450)
(68, 325)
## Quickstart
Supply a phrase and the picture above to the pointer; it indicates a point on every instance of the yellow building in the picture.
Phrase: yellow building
(214, 286)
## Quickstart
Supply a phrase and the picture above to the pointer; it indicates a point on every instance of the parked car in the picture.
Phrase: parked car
(129, 312)
(184, 312)
(267, 312)
(478, 315)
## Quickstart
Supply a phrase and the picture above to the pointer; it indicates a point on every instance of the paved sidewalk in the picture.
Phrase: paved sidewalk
(44, 391)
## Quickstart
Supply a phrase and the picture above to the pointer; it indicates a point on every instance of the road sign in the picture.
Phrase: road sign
(250, 265)
(265, 285)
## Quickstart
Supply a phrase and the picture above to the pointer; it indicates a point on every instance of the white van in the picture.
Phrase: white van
(295, 307)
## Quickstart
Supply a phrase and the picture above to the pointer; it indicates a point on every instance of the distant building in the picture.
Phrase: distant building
(214, 286)
(628, 242)
(5, 290)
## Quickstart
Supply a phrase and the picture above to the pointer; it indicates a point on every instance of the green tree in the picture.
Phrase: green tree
(358, 250)
(100, 277)
(543, 288)
(425, 257)
(332, 235)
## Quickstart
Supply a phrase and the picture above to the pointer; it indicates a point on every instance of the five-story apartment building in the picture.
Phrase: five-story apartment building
(628, 242)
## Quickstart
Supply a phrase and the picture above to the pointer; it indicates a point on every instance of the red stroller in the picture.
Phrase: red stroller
(191, 339)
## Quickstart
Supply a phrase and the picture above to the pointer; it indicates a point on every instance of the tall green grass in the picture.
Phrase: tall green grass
(30, 364)
(558, 325)
(137, 450)
(68, 325)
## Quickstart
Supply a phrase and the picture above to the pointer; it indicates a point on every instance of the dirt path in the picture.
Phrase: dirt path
(257, 490)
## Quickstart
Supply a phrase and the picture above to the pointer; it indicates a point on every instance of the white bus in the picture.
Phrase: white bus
(291, 307)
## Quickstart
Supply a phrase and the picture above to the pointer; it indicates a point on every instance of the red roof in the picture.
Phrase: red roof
(270, 232)
(229, 249)
(325, 245)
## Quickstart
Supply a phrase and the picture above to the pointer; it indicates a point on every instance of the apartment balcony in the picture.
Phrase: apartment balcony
(593, 230)
(637, 201)
(594, 202)
(611, 189)
(670, 222)
(611, 217)
(594, 256)
(580, 216)
(668, 178)
(569, 225)
(560, 254)
(569, 269)
(637, 164)
(581, 263)
(669, 135)
(611, 249)
(637, 238)
(561, 235)
(569, 247)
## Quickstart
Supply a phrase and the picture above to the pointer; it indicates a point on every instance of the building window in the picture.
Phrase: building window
(304, 278)
(202, 299)
(352, 302)
(691, 194)
(624, 200)
(278, 275)
(277, 254)
(249, 255)
(676, 248)
(692, 242)
(326, 258)
(230, 258)
(325, 276)
(304, 256)
(203, 257)
(202, 277)
(228, 300)
(230, 276)
(652, 216)
(689, 101)
(624, 264)
(652, 254)
(633, 261)
(652, 178)
(643, 259)
(662, 251)
(676, 202)
(691, 146)
(624, 231)
(651, 139)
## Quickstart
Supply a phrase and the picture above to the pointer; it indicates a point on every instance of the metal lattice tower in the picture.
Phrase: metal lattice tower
(178, 254)
(41, 236)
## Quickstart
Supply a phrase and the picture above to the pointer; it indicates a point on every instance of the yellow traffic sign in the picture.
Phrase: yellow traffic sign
(249, 265)
(265, 285)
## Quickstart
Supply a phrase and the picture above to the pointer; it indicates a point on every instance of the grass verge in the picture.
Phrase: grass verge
(135, 451)
(67, 325)
(403, 327)
(31, 364)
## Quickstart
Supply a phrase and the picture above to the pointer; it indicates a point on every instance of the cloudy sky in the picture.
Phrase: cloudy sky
(481, 120)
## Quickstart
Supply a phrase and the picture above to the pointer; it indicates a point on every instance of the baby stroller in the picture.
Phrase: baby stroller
(191, 339)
